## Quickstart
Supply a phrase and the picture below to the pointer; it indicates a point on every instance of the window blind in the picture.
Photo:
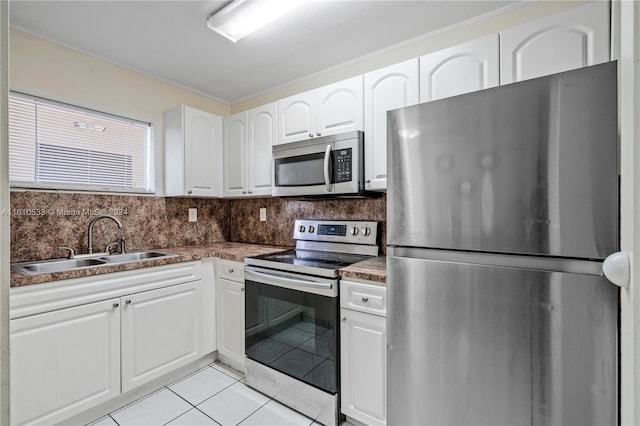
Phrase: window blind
(58, 146)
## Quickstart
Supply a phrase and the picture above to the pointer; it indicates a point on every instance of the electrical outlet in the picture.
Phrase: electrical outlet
(193, 215)
(263, 214)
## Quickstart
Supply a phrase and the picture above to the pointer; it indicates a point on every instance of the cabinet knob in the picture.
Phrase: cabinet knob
(250, 192)
(368, 180)
(344, 318)
(231, 270)
(319, 134)
(128, 301)
(189, 192)
(115, 305)
(310, 135)
(242, 289)
(365, 299)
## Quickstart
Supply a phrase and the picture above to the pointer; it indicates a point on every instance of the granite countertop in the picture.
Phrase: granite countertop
(371, 270)
(224, 250)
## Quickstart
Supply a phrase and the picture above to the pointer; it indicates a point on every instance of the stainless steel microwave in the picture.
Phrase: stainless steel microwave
(325, 166)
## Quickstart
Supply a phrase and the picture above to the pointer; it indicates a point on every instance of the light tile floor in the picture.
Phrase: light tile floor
(214, 395)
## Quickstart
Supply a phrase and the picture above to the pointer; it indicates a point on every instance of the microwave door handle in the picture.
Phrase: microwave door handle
(327, 171)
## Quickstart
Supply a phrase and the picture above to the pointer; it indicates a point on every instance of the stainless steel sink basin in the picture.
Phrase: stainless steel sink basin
(135, 256)
(59, 265)
(55, 265)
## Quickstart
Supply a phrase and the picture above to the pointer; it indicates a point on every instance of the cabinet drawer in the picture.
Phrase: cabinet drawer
(368, 298)
(230, 270)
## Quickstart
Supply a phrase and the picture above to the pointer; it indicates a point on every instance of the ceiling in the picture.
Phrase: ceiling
(170, 40)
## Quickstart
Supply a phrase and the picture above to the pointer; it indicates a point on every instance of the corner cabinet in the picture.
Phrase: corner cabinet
(464, 68)
(572, 39)
(329, 110)
(385, 89)
(363, 356)
(230, 313)
(193, 153)
(248, 137)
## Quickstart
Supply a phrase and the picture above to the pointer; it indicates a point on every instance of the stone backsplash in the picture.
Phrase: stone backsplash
(43, 221)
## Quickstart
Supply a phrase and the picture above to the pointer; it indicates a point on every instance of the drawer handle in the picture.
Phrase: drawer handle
(365, 299)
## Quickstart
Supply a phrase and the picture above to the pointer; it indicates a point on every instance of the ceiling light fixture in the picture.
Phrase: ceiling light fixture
(242, 17)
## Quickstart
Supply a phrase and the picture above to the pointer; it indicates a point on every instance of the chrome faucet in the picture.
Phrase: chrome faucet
(115, 219)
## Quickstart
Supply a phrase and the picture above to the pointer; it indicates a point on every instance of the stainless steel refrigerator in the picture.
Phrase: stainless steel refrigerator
(502, 205)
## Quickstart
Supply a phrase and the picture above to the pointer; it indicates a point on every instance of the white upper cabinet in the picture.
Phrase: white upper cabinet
(331, 109)
(385, 89)
(297, 117)
(235, 146)
(339, 107)
(460, 69)
(248, 137)
(193, 147)
(263, 131)
(576, 38)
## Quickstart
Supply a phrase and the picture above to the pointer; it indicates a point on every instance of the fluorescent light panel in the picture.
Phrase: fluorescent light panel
(243, 17)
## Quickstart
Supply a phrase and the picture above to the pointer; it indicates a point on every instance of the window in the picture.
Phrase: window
(57, 146)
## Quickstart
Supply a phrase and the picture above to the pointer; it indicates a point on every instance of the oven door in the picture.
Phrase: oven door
(324, 166)
(291, 325)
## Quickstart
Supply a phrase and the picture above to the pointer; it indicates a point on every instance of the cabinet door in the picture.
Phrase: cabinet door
(235, 151)
(340, 107)
(230, 322)
(460, 69)
(388, 88)
(203, 134)
(161, 331)
(262, 135)
(363, 340)
(573, 39)
(297, 117)
(64, 362)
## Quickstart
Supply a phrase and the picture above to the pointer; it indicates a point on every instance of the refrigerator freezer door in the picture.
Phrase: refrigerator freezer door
(470, 344)
(530, 167)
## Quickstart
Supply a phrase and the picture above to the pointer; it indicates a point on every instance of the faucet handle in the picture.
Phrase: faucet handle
(107, 249)
(72, 252)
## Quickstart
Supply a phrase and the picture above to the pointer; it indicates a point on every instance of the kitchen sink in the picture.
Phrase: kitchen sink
(55, 265)
(134, 256)
(60, 265)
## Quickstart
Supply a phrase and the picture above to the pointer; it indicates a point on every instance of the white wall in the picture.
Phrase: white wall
(4, 219)
(42, 68)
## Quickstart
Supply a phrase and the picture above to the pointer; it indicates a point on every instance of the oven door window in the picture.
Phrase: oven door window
(300, 170)
(293, 332)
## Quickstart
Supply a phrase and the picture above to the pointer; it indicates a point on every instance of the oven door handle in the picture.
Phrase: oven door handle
(327, 164)
(293, 281)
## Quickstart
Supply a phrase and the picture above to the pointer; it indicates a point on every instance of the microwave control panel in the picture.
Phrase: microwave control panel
(342, 169)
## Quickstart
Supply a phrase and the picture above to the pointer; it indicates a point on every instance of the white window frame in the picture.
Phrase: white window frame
(88, 151)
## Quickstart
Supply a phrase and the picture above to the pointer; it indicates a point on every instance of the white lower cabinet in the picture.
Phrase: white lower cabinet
(78, 343)
(363, 360)
(64, 362)
(160, 332)
(230, 314)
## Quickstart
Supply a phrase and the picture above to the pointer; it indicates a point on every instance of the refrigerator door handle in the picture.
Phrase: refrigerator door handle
(616, 268)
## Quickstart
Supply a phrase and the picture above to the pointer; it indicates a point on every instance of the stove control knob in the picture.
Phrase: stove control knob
(301, 228)
(354, 231)
(311, 229)
(366, 231)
